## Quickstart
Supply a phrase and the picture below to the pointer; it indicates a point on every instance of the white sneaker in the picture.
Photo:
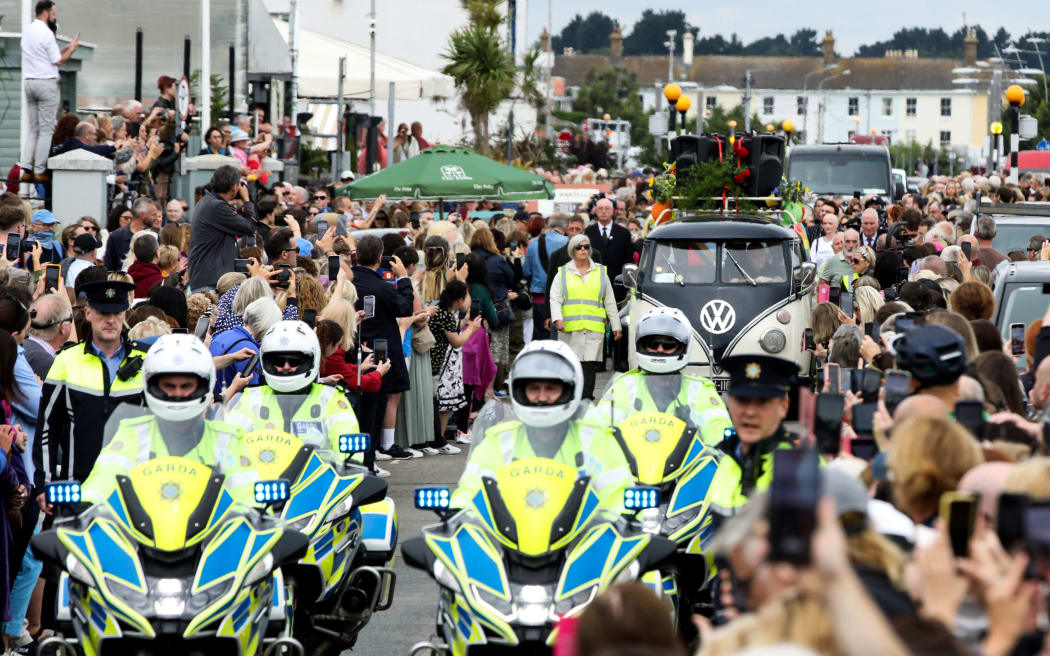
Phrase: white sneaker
(380, 472)
(429, 451)
(381, 456)
(450, 450)
(463, 438)
(415, 453)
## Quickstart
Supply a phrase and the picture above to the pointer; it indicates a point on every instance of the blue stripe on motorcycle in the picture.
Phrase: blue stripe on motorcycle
(483, 508)
(225, 501)
(227, 556)
(464, 627)
(694, 450)
(589, 504)
(589, 565)
(311, 466)
(98, 615)
(323, 546)
(240, 614)
(373, 526)
(310, 498)
(479, 564)
(694, 490)
(111, 558)
(626, 546)
(117, 506)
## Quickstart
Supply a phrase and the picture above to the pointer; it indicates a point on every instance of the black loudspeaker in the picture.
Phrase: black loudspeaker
(690, 149)
(765, 160)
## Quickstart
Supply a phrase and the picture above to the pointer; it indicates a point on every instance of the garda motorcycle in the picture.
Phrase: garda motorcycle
(168, 560)
(342, 508)
(532, 547)
(668, 457)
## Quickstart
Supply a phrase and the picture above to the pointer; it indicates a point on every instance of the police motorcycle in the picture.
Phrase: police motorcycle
(666, 453)
(165, 557)
(306, 433)
(526, 543)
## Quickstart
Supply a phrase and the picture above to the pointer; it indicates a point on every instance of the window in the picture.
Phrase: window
(767, 105)
(749, 262)
(887, 106)
(946, 136)
(800, 105)
(909, 136)
(710, 102)
(909, 106)
(854, 106)
(682, 262)
(946, 107)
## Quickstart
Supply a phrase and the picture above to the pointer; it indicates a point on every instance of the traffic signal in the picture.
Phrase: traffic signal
(763, 156)
(690, 149)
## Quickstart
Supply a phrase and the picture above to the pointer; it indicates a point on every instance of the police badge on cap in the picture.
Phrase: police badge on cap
(108, 295)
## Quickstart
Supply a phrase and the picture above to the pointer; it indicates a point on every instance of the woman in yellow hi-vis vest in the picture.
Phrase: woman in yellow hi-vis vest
(582, 301)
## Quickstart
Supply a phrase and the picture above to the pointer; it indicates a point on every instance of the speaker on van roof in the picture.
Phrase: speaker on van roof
(765, 160)
(690, 149)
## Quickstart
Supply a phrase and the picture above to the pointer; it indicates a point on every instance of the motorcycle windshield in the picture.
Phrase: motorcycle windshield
(533, 503)
(656, 445)
(498, 414)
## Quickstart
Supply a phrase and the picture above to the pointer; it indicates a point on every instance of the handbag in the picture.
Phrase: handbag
(423, 339)
(504, 311)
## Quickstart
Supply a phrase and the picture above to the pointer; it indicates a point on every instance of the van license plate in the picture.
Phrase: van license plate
(721, 384)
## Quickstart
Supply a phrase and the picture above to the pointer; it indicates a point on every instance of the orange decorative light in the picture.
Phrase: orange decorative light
(788, 126)
(683, 104)
(1015, 95)
(606, 117)
(672, 92)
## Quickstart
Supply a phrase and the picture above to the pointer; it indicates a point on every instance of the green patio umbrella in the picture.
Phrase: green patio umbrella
(450, 173)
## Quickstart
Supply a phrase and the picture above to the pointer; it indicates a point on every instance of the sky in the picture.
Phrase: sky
(865, 22)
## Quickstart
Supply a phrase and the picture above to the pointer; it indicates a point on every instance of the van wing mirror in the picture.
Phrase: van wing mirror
(630, 276)
(805, 273)
(898, 191)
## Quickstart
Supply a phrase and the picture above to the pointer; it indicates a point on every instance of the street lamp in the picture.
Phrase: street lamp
(672, 92)
(682, 105)
(788, 126)
(805, 86)
(823, 103)
(670, 44)
(769, 127)
(1014, 96)
(732, 130)
(1036, 40)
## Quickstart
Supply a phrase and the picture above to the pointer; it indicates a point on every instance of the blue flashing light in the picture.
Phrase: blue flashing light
(354, 442)
(728, 433)
(640, 498)
(271, 491)
(432, 498)
(63, 493)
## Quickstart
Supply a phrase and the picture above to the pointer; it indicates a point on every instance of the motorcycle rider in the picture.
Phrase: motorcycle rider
(546, 385)
(178, 375)
(662, 339)
(292, 400)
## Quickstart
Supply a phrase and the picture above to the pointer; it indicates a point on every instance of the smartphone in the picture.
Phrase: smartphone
(369, 305)
(823, 292)
(201, 331)
(1010, 519)
(898, 387)
(310, 317)
(322, 227)
(249, 240)
(1017, 331)
(863, 416)
(249, 367)
(52, 276)
(846, 303)
(902, 274)
(902, 325)
(333, 267)
(870, 380)
(14, 246)
(475, 309)
(827, 425)
(240, 266)
(792, 511)
(889, 294)
(832, 375)
(958, 512)
(413, 219)
(385, 261)
(846, 380)
(180, 331)
(461, 259)
(284, 275)
(865, 448)
(970, 415)
(379, 348)
(966, 247)
(810, 344)
(873, 330)
(1037, 539)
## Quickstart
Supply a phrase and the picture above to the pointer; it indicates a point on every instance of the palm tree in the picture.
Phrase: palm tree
(529, 84)
(483, 71)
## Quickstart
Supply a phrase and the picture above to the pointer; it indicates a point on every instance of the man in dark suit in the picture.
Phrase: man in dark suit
(613, 241)
(391, 302)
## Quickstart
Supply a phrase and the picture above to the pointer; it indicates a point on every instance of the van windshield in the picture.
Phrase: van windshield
(695, 262)
(840, 173)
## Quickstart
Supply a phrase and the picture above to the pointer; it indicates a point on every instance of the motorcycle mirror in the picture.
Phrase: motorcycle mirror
(432, 498)
(641, 497)
(64, 493)
(354, 443)
(271, 492)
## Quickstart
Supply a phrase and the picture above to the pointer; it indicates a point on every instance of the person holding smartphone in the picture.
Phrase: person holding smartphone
(759, 386)
(935, 356)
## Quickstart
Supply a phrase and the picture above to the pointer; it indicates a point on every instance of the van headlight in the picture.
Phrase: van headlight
(773, 340)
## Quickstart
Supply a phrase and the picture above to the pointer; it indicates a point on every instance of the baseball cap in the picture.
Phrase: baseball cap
(44, 216)
(347, 175)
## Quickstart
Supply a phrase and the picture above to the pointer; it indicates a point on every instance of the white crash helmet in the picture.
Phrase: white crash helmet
(178, 354)
(295, 342)
(546, 360)
(663, 324)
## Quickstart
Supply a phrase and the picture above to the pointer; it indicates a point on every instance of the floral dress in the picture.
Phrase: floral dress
(446, 362)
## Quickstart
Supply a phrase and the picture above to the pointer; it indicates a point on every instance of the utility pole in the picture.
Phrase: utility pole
(293, 54)
(747, 101)
(340, 140)
(372, 61)
(512, 16)
(206, 65)
(670, 43)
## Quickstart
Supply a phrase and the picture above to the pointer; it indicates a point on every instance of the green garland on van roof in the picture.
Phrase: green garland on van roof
(701, 186)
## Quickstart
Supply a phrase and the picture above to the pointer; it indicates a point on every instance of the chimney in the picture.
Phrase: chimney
(687, 48)
(829, 48)
(545, 40)
(970, 47)
(616, 44)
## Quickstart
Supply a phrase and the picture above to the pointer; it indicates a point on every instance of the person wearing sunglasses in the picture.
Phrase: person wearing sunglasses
(661, 339)
(320, 200)
(581, 304)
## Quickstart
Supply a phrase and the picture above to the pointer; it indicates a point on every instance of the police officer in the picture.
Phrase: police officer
(546, 383)
(292, 400)
(662, 339)
(85, 383)
(178, 375)
(758, 403)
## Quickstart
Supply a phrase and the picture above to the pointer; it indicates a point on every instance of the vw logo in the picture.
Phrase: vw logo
(717, 317)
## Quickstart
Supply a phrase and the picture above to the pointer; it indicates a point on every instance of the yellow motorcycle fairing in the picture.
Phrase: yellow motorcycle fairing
(535, 505)
(658, 446)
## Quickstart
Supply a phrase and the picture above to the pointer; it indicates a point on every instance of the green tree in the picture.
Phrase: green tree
(219, 93)
(585, 35)
(481, 66)
(529, 85)
(650, 32)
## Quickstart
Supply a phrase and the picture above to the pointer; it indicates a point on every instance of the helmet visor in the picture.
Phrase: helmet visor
(290, 363)
(542, 367)
(659, 345)
(177, 386)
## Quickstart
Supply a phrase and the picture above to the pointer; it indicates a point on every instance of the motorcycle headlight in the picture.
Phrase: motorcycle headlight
(169, 598)
(629, 573)
(651, 520)
(302, 523)
(342, 510)
(261, 570)
(445, 578)
(77, 570)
